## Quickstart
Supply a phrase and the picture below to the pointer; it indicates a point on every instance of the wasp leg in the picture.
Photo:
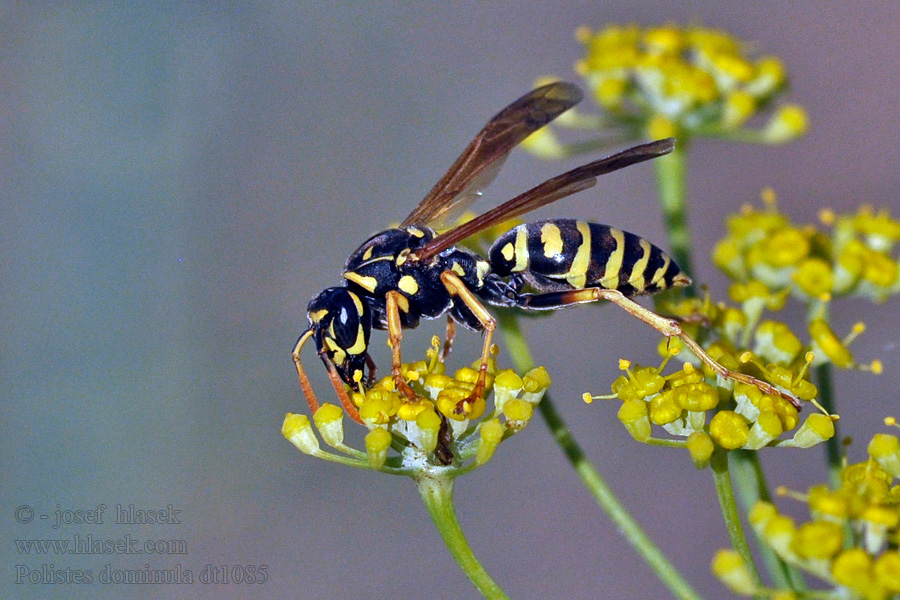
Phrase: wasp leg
(395, 334)
(668, 327)
(459, 291)
(373, 368)
(448, 341)
(335, 381)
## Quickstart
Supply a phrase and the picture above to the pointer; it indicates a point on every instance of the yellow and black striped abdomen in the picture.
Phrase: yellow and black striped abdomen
(572, 254)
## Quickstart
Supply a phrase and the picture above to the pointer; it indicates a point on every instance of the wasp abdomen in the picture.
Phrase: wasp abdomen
(561, 254)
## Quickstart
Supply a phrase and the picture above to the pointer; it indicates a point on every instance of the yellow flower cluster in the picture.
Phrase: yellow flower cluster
(710, 413)
(427, 431)
(852, 540)
(764, 250)
(678, 81)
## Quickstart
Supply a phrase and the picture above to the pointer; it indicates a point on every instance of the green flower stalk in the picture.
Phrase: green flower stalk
(426, 439)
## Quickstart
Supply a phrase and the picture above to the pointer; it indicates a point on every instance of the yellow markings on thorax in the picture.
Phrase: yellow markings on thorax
(401, 258)
(577, 273)
(366, 282)
(415, 231)
(368, 253)
(508, 251)
(408, 285)
(482, 268)
(521, 250)
(661, 272)
(614, 262)
(458, 269)
(551, 238)
(637, 277)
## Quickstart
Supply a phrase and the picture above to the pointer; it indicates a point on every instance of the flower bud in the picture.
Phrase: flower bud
(816, 429)
(885, 449)
(535, 383)
(729, 568)
(701, 447)
(298, 430)
(330, 423)
(491, 435)
(378, 442)
(518, 413)
(729, 430)
(633, 415)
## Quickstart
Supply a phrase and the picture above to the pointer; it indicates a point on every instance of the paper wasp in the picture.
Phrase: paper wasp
(398, 276)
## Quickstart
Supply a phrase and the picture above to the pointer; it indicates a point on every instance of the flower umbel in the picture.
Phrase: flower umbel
(671, 81)
(711, 411)
(846, 255)
(412, 436)
(851, 542)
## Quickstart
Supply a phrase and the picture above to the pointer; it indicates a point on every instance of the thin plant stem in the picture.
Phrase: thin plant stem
(722, 478)
(671, 183)
(591, 478)
(833, 450)
(437, 494)
(752, 488)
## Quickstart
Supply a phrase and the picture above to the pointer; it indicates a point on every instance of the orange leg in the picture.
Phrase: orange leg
(460, 292)
(395, 300)
(668, 327)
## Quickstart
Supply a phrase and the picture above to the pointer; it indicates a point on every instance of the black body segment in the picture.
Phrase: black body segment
(385, 262)
(561, 254)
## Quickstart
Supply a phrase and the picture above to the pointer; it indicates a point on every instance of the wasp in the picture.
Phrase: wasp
(404, 274)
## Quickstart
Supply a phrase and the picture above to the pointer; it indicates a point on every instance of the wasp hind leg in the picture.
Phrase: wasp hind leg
(336, 382)
(666, 326)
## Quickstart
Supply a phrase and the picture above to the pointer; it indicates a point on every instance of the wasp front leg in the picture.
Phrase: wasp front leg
(338, 384)
(461, 293)
(395, 301)
(666, 326)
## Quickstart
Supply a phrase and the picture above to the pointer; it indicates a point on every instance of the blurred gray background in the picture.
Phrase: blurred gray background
(177, 181)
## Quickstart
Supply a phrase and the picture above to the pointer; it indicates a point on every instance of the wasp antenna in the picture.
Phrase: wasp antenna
(301, 373)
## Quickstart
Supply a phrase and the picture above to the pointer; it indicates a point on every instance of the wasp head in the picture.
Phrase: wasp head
(341, 323)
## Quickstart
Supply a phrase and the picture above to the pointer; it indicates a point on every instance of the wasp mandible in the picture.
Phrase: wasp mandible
(398, 276)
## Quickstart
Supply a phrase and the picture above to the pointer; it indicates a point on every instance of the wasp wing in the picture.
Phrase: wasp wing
(480, 162)
(551, 190)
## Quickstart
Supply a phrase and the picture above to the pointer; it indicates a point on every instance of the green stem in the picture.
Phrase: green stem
(833, 450)
(752, 488)
(722, 478)
(437, 494)
(671, 183)
(591, 478)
